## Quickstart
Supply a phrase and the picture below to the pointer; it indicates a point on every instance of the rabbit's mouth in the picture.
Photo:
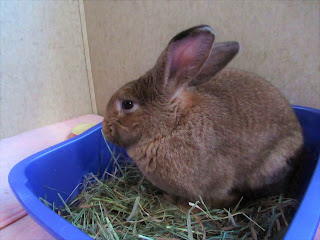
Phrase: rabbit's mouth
(109, 131)
(117, 133)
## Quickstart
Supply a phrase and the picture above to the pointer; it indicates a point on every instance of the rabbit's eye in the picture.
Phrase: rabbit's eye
(127, 104)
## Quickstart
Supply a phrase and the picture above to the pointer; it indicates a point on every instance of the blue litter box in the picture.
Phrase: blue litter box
(61, 168)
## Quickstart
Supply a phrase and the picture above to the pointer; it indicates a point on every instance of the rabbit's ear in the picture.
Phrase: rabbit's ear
(185, 56)
(221, 54)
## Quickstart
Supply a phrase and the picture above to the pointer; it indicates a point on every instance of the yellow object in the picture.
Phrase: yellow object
(82, 127)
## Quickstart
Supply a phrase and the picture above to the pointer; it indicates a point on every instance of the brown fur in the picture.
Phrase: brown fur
(231, 133)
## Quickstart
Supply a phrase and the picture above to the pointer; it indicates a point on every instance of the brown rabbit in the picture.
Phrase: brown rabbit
(195, 129)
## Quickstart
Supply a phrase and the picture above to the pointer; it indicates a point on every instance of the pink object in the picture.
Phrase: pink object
(16, 148)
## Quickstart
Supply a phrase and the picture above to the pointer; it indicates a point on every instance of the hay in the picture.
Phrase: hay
(127, 206)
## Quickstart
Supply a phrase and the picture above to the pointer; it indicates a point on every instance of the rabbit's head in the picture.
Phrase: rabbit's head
(150, 107)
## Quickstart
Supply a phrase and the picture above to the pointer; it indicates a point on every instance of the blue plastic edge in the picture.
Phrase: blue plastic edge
(307, 218)
(303, 226)
(17, 179)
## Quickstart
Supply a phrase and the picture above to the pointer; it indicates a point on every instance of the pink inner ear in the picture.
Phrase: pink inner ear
(188, 53)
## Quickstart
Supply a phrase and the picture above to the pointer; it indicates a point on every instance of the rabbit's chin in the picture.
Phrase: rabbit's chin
(107, 136)
(113, 139)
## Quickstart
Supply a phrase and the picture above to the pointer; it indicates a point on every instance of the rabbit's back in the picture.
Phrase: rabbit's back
(255, 125)
(250, 97)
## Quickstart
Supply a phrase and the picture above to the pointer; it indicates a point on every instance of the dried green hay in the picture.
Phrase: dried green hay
(128, 206)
